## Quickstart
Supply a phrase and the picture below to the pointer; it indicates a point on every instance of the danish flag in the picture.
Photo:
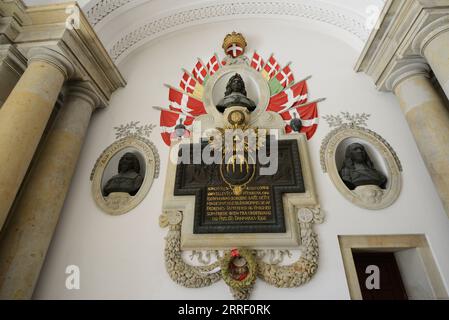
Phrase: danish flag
(257, 62)
(308, 114)
(285, 76)
(294, 95)
(199, 72)
(184, 103)
(169, 120)
(271, 67)
(187, 83)
(213, 65)
(234, 50)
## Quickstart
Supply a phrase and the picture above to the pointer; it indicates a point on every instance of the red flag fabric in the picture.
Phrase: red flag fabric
(185, 103)
(169, 120)
(199, 72)
(213, 65)
(285, 77)
(257, 62)
(271, 67)
(187, 83)
(308, 115)
(294, 95)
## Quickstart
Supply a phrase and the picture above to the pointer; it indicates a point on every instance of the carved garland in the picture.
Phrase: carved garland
(281, 276)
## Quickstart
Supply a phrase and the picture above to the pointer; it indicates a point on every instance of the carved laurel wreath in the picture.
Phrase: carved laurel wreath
(226, 271)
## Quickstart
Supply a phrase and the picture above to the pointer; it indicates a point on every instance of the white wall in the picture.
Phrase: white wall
(414, 276)
(122, 256)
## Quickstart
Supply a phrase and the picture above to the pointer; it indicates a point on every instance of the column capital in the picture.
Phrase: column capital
(83, 90)
(405, 71)
(52, 57)
(13, 58)
(429, 33)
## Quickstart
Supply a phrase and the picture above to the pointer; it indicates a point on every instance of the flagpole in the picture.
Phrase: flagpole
(303, 105)
(296, 82)
(172, 111)
(180, 91)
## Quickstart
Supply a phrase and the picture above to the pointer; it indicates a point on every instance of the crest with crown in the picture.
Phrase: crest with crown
(234, 44)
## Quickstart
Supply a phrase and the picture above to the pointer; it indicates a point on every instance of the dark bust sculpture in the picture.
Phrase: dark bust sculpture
(235, 95)
(128, 178)
(358, 169)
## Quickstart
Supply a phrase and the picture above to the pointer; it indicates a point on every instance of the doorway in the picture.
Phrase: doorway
(405, 259)
(379, 276)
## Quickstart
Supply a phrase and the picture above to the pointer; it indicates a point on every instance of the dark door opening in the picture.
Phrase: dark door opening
(379, 276)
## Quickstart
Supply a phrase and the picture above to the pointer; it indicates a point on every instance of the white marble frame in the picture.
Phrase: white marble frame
(292, 204)
(328, 161)
(147, 150)
(243, 68)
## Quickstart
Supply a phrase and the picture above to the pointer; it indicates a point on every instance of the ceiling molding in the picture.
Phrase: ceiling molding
(102, 8)
(314, 10)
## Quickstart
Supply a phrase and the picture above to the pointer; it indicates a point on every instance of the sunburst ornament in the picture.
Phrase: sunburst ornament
(284, 94)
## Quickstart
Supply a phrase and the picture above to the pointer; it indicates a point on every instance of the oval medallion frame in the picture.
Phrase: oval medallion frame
(329, 149)
(122, 203)
(246, 71)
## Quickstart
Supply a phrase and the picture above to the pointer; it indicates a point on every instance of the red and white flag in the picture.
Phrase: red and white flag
(234, 50)
(271, 67)
(257, 62)
(188, 83)
(308, 114)
(284, 100)
(168, 122)
(184, 103)
(285, 76)
(213, 65)
(199, 72)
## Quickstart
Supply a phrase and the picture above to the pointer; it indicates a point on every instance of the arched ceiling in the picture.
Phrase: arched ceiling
(125, 25)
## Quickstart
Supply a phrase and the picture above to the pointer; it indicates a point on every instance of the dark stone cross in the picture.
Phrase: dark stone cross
(258, 209)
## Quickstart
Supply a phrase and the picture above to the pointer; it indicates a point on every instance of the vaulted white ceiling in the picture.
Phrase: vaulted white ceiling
(124, 25)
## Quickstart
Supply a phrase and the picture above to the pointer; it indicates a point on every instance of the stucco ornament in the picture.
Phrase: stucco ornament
(349, 130)
(138, 165)
(222, 236)
(274, 271)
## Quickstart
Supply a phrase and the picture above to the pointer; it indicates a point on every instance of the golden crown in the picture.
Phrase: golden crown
(232, 38)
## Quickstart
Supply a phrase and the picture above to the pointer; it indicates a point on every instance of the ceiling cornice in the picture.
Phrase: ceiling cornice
(100, 9)
(136, 36)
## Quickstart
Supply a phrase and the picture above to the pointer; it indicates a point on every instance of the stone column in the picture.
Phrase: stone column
(23, 118)
(432, 42)
(29, 231)
(428, 119)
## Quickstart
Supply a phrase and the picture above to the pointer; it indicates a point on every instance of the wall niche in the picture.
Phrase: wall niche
(362, 165)
(125, 171)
